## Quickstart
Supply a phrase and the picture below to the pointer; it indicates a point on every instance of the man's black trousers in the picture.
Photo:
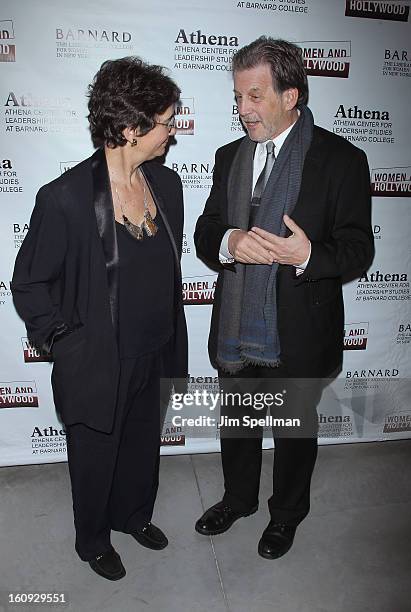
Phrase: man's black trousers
(295, 447)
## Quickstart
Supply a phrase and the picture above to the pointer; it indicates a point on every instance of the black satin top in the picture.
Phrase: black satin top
(146, 293)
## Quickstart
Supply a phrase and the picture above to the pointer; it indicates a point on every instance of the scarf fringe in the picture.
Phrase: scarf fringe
(234, 367)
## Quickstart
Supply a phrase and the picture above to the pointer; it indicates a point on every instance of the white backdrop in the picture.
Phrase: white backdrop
(358, 56)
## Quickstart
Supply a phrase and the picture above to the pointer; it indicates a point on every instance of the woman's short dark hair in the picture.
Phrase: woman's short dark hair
(285, 61)
(127, 92)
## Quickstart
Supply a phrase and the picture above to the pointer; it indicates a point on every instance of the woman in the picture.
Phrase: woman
(98, 283)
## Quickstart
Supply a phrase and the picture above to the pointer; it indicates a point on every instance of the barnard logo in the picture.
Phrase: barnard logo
(236, 125)
(192, 168)
(397, 63)
(33, 354)
(21, 394)
(92, 35)
(81, 43)
(378, 277)
(396, 55)
(353, 112)
(355, 336)
(375, 373)
(184, 120)
(197, 38)
(5, 291)
(194, 175)
(19, 233)
(66, 165)
(172, 435)
(199, 289)
(404, 333)
(397, 422)
(7, 49)
(326, 58)
(391, 182)
(370, 9)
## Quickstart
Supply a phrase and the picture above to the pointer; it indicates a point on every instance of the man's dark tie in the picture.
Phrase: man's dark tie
(262, 182)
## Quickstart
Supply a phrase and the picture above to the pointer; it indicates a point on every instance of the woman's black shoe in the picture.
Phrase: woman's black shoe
(150, 536)
(108, 565)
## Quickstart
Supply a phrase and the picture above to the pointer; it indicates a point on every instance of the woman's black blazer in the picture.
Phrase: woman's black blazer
(66, 273)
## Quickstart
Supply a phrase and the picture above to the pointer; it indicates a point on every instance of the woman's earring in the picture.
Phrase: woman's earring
(133, 143)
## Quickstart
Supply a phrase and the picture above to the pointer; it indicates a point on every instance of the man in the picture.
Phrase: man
(288, 217)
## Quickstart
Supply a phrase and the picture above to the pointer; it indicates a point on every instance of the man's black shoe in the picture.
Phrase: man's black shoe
(276, 540)
(108, 565)
(150, 536)
(219, 518)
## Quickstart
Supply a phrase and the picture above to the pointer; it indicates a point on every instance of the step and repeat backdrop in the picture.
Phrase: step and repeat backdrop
(358, 57)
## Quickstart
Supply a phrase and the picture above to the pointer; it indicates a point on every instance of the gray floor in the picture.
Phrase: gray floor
(352, 553)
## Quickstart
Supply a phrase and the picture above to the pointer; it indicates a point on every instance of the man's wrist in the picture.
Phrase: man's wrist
(303, 265)
(224, 254)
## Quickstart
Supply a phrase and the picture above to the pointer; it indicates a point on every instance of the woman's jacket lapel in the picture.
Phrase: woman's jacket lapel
(103, 207)
(160, 207)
